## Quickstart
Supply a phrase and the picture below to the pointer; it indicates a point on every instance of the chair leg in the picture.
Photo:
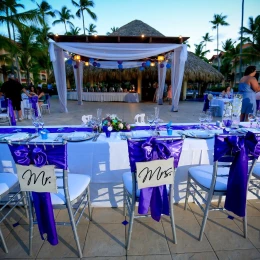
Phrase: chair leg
(124, 201)
(187, 193)
(74, 228)
(219, 201)
(172, 219)
(89, 204)
(131, 221)
(245, 225)
(205, 217)
(30, 222)
(3, 241)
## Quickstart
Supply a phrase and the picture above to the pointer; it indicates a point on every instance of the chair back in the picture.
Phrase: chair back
(154, 148)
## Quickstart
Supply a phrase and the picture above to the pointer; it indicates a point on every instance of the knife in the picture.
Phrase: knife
(31, 138)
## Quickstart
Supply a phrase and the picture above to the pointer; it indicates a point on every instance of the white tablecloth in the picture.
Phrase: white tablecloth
(107, 159)
(220, 102)
(105, 96)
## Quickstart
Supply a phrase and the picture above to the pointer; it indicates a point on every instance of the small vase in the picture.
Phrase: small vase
(108, 133)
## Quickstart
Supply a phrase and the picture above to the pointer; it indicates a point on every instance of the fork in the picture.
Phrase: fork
(57, 137)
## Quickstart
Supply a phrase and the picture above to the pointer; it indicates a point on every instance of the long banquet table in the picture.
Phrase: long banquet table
(106, 96)
(107, 159)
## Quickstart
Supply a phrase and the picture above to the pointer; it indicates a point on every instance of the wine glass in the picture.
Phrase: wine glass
(208, 117)
(41, 122)
(202, 118)
(150, 120)
(99, 113)
(257, 116)
(94, 124)
(227, 121)
(35, 122)
(251, 118)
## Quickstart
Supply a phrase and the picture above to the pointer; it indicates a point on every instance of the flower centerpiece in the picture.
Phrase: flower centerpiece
(116, 123)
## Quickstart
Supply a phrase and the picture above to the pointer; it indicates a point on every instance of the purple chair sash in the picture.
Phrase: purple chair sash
(206, 103)
(155, 198)
(39, 156)
(241, 148)
(34, 100)
(11, 112)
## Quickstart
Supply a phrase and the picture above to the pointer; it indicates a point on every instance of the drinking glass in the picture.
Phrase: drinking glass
(257, 116)
(208, 117)
(150, 120)
(251, 118)
(227, 121)
(99, 113)
(156, 112)
(94, 124)
(41, 122)
(202, 118)
(35, 122)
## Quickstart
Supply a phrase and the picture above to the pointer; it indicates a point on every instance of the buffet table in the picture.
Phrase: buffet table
(220, 103)
(107, 159)
(106, 96)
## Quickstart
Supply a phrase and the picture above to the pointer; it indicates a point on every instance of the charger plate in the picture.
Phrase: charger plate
(200, 134)
(78, 137)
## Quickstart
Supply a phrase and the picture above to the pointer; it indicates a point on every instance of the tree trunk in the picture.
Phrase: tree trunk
(217, 50)
(83, 22)
(65, 26)
(28, 77)
(10, 38)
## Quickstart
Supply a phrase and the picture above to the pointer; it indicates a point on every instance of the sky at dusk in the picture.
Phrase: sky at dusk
(170, 17)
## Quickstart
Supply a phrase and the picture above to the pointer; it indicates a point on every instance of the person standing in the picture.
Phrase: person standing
(248, 86)
(12, 90)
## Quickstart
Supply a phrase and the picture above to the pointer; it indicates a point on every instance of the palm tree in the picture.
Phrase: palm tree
(44, 9)
(218, 20)
(199, 51)
(73, 31)
(91, 29)
(113, 29)
(253, 29)
(84, 5)
(207, 38)
(65, 16)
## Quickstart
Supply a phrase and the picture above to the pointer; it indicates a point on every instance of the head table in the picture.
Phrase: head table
(107, 159)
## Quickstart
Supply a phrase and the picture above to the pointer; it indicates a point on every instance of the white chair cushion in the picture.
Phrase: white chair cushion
(127, 180)
(7, 181)
(203, 175)
(77, 184)
(256, 171)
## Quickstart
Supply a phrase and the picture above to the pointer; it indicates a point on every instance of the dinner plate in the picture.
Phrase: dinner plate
(201, 134)
(17, 137)
(78, 137)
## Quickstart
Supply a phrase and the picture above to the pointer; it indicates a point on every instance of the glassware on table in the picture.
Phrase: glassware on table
(94, 124)
(251, 118)
(257, 116)
(202, 118)
(227, 121)
(41, 122)
(156, 112)
(150, 120)
(36, 123)
(209, 117)
(99, 113)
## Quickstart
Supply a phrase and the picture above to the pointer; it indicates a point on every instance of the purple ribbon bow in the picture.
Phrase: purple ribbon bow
(239, 148)
(11, 112)
(40, 156)
(155, 198)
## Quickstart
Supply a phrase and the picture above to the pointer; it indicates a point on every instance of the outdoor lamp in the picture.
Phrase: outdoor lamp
(152, 64)
(86, 63)
(77, 57)
(142, 35)
(160, 58)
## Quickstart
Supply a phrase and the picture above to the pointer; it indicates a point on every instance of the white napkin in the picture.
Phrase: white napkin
(17, 137)
(141, 133)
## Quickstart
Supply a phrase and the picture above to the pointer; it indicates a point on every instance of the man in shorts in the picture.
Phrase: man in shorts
(12, 90)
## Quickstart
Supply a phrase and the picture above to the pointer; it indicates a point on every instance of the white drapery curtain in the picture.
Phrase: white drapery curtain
(60, 75)
(78, 75)
(161, 82)
(126, 52)
(179, 58)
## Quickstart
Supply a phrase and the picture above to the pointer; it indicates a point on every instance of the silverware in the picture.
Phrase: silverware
(95, 137)
(57, 137)
(30, 138)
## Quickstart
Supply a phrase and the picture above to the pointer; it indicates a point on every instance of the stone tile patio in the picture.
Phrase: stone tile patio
(104, 238)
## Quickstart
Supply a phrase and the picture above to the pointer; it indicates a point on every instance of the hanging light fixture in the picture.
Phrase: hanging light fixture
(160, 58)
(152, 64)
(86, 63)
(77, 57)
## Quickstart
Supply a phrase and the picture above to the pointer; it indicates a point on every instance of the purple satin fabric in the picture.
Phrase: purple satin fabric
(11, 112)
(206, 103)
(155, 198)
(240, 147)
(34, 100)
(39, 156)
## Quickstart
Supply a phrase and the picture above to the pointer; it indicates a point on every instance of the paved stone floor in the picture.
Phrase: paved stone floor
(188, 112)
(104, 238)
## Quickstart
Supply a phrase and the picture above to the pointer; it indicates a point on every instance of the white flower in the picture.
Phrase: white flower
(113, 116)
(110, 128)
(120, 126)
